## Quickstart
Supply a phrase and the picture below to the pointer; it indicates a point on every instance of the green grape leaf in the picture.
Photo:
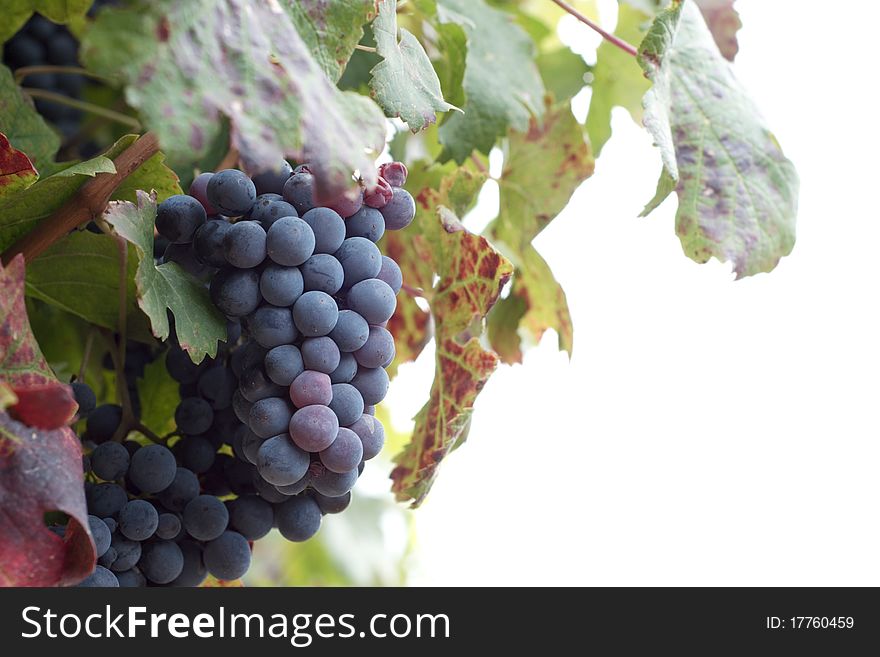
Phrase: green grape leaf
(471, 274)
(16, 170)
(618, 80)
(152, 175)
(724, 22)
(21, 124)
(502, 85)
(16, 13)
(184, 71)
(563, 71)
(159, 395)
(530, 197)
(20, 213)
(737, 193)
(331, 29)
(80, 274)
(404, 82)
(198, 324)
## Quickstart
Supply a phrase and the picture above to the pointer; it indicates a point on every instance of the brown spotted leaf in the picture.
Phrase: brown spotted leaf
(189, 64)
(724, 22)
(16, 170)
(40, 469)
(737, 192)
(542, 169)
(471, 275)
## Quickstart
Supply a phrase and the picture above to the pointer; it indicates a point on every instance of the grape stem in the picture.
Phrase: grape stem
(89, 202)
(82, 105)
(87, 353)
(24, 71)
(617, 41)
(365, 48)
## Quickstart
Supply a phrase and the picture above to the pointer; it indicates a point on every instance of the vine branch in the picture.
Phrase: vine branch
(86, 204)
(91, 108)
(617, 41)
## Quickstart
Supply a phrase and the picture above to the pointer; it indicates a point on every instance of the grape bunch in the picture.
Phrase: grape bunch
(40, 43)
(274, 431)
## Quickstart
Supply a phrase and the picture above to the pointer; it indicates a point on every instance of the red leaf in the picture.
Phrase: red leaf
(41, 471)
(16, 170)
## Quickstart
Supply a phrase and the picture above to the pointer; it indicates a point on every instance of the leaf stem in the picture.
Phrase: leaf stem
(87, 353)
(87, 203)
(90, 108)
(24, 71)
(617, 41)
(365, 48)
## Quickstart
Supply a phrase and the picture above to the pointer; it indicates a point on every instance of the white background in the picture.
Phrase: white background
(706, 431)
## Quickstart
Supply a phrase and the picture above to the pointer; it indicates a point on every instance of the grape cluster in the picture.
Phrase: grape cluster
(39, 43)
(291, 394)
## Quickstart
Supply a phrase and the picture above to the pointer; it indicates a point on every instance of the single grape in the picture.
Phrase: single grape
(103, 422)
(110, 461)
(196, 453)
(322, 272)
(344, 453)
(360, 260)
(152, 468)
(372, 383)
(100, 577)
(298, 191)
(281, 286)
(272, 326)
(272, 212)
(100, 533)
(271, 181)
(366, 222)
(169, 526)
(251, 516)
(314, 427)
(228, 557)
(400, 211)
(390, 273)
(298, 518)
(328, 227)
(161, 562)
(290, 241)
(270, 416)
(84, 397)
(283, 364)
(208, 243)
(107, 558)
(373, 299)
(241, 406)
(346, 369)
(348, 202)
(245, 244)
(138, 520)
(193, 572)
(266, 490)
(178, 217)
(105, 500)
(320, 354)
(371, 433)
(255, 385)
(180, 366)
(378, 350)
(250, 445)
(295, 488)
(351, 331)
(216, 386)
(332, 504)
(185, 256)
(183, 488)
(280, 462)
(127, 552)
(311, 388)
(378, 196)
(236, 292)
(205, 518)
(131, 578)
(111, 524)
(231, 192)
(315, 314)
(199, 190)
(348, 405)
(334, 484)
